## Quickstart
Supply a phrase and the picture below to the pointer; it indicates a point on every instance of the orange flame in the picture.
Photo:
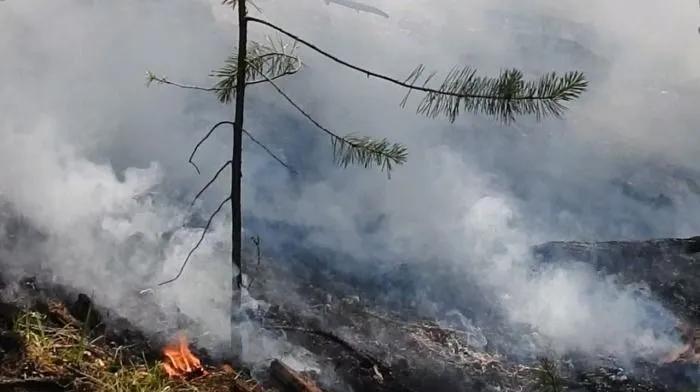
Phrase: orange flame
(179, 360)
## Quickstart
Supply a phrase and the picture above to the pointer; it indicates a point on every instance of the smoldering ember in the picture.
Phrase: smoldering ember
(508, 201)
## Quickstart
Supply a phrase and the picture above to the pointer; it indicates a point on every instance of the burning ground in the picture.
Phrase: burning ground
(53, 338)
(50, 344)
(310, 323)
(44, 347)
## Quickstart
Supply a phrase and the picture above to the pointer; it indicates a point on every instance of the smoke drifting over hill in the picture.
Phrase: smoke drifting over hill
(83, 139)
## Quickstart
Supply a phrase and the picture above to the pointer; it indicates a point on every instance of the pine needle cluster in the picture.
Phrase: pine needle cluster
(265, 62)
(505, 97)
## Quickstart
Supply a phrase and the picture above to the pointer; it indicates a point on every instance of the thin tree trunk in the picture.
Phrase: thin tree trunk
(236, 175)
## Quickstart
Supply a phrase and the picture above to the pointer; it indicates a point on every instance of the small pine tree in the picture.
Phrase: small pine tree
(505, 97)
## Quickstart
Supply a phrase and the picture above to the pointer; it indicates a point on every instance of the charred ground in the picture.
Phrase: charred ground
(57, 339)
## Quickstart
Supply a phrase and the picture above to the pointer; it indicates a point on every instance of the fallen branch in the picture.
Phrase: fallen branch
(364, 358)
(291, 379)
(380, 371)
(42, 384)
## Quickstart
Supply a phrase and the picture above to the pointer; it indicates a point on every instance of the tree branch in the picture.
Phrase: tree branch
(199, 242)
(152, 77)
(261, 61)
(372, 73)
(258, 257)
(164, 80)
(220, 123)
(209, 183)
(351, 149)
(202, 140)
(504, 96)
(367, 360)
(347, 150)
(267, 150)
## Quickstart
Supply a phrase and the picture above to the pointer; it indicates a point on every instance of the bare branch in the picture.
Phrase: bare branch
(258, 257)
(151, 77)
(202, 140)
(208, 184)
(267, 150)
(164, 80)
(275, 59)
(220, 123)
(199, 242)
(355, 149)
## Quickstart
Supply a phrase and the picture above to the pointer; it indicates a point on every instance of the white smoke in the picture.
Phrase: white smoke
(83, 139)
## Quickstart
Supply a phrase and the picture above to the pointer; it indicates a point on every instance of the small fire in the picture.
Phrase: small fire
(179, 360)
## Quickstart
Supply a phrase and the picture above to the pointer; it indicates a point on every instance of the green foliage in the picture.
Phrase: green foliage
(505, 96)
(265, 61)
(233, 4)
(355, 150)
(368, 152)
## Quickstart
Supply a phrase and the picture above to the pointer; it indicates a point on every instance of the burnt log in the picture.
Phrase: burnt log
(669, 266)
(291, 379)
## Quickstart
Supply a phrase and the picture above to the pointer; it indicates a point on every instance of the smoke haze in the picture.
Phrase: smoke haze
(84, 139)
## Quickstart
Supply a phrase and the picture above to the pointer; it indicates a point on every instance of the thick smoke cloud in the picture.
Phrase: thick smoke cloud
(83, 140)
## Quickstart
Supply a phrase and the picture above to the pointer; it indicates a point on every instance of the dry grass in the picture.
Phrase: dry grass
(70, 352)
